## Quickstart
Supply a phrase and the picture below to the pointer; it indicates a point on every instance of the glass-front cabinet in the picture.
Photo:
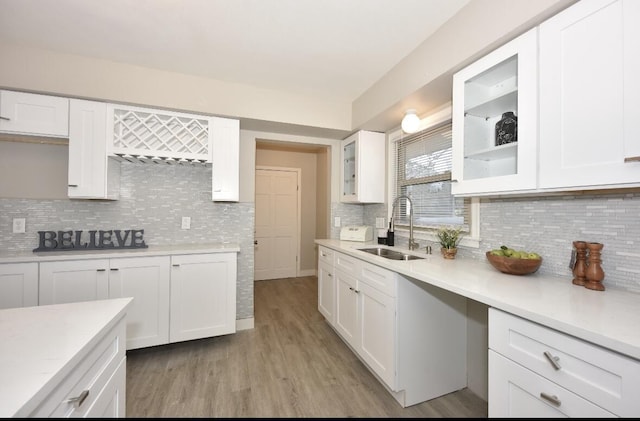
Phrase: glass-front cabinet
(362, 170)
(495, 121)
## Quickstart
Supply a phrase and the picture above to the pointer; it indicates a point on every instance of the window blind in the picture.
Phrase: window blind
(423, 172)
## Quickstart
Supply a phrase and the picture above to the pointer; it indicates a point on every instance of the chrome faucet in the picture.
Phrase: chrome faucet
(412, 244)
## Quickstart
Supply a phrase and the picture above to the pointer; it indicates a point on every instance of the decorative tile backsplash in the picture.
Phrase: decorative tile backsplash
(153, 197)
(548, 226)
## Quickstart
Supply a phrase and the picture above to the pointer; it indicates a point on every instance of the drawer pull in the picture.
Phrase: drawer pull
(553, 360)
(101, 270)
(632, 159)
(78, 400)
(176, 265)
(354, 290)
(114, 269)
(323, 255)
(329, 275)
(5, 118)
(551, 398)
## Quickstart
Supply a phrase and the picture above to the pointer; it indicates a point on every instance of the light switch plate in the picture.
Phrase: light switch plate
(19, 225)
(379, 222)
(336, 221)
(186, 222)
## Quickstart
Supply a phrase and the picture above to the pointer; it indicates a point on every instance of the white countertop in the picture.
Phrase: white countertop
(610, 318)
(48, 256)
(40, 345)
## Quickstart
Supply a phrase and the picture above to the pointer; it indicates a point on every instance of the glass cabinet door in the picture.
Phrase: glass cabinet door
(349, 169)
(495, 120)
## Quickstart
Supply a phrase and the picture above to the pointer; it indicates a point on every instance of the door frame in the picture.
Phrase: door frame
(298, 172)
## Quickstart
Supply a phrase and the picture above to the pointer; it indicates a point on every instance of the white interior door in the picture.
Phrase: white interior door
(277, 216)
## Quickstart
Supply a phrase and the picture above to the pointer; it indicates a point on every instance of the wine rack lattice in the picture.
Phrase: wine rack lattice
(147, 135)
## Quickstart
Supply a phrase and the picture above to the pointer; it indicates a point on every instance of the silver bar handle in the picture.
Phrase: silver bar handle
(101, 270)
(632, 159)
(78, 400)
(551, 398)
(5, 118)
(553, 360)
(114, 269)
(176, 265)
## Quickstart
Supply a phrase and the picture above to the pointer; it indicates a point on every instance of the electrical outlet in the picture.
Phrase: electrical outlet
(19, 225)
(336, 221)
(380, 223)
(186, 222)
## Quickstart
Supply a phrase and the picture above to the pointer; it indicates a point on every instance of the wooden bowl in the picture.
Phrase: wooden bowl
(513, 266)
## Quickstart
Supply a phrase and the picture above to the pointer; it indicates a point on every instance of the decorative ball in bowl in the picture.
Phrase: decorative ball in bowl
(514, 265)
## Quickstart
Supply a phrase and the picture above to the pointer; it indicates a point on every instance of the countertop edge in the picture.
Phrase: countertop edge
(27, 257)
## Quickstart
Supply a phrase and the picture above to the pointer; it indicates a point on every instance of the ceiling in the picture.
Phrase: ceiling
(334, 49)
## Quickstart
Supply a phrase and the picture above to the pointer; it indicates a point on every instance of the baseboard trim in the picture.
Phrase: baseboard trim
(308, 272)
(244, 324)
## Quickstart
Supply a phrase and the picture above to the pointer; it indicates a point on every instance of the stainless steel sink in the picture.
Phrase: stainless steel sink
(390, 254)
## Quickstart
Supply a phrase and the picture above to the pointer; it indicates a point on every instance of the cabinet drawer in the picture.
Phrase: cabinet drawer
(515, 391)
(325, 255)
(379, 278)
(347, 264)
(89, 377)
(606, 378)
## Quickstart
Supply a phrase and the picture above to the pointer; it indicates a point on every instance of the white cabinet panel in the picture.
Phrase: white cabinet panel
(18, 285)
(225, 158)
(73, 281)
(589, 92)
(362, 168)
(326, 291)
(515, 392)
(92, 175)
(347, 308)
(34, 114)
(203, 295)
(600, 377)
(146, 279)
(505, 80)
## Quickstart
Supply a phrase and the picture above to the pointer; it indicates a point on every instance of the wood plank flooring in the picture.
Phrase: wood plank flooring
(292, 364)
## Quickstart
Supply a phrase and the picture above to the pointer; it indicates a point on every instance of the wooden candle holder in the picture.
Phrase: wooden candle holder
(594, 272)
(580, 268)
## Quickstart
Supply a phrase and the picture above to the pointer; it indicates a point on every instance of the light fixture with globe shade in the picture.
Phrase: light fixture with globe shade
(410, 121)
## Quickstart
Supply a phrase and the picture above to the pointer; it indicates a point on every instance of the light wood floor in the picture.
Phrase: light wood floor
(292, 364)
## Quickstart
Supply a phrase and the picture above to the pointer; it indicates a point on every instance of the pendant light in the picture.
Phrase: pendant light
(410, 121)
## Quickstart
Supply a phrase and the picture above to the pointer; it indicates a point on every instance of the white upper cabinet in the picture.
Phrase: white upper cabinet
(504, 81)
(92, 174)
(590, 96)
(32, 114)
(225, 159)
(362, 169)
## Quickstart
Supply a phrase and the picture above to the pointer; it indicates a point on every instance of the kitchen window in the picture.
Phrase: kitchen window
(421, 163)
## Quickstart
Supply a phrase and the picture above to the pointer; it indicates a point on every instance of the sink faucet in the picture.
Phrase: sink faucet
(412, 244)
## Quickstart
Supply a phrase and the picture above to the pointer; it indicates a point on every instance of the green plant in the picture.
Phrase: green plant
(449, 237)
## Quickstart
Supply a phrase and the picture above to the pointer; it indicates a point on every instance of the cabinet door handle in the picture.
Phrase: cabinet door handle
(632, 159)
(78, 400)
(329, 275)
(553, 360)
(176, 265)
(114, 269)
(73, 185)
(101, 270)
(5, 118)
(551, 398)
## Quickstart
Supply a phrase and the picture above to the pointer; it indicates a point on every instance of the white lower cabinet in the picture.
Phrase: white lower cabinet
(203, 296)
(146, 279)
(394, 325)
(73, 281)
(326, 284)
(535, 371)
(18, 285)
(175, 298)
(96, 386)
